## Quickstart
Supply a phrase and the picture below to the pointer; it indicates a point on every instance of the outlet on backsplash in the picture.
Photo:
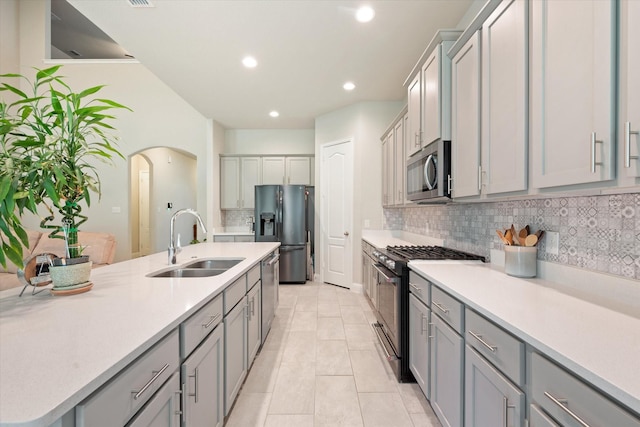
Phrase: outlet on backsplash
(553, 242)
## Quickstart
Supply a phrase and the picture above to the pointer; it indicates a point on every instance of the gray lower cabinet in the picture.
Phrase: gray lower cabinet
(446, 372)
(254, 332)
(124, 395)
(202, 377)
(490, 398)
(163, 409)
(419, 315)
(537, 418)
(572, 402)
(235, 352)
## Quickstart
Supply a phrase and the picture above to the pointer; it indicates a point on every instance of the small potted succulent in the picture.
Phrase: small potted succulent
(50, 139)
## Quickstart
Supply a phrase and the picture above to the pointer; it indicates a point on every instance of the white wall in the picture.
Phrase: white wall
(364, 122)
(159, 118)
(269, 141)
(173, 180)
(9, 52)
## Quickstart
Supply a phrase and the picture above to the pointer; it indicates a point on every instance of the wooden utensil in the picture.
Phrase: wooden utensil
(526, 227)
(523, 234)
(504, 240)
(509, 237)
(531, 240)
(514, 235)
(539, 234)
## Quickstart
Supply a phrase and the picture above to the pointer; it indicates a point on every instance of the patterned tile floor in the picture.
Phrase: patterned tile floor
(321, 366)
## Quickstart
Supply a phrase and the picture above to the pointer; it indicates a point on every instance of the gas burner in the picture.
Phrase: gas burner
(431, 253)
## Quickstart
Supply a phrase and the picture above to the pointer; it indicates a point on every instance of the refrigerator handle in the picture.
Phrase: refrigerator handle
(278, 223)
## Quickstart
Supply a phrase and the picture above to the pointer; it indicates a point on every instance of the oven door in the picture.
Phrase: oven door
(388, 307)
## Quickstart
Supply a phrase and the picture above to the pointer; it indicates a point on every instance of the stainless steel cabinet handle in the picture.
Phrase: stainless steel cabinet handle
(213, 319)
(594, 141)
(253, 306)
(440, 307)
(274, 259)
(346, 233)
(178, 411)
(479, 178)
(417, 289)
(183, 398)
(429, 325)
(505, 411)
(492, 348)
(449, 188)
(563, 406)
(157, 374)
(416, 140)
(627, 144)
(195, 385)
(423, 324)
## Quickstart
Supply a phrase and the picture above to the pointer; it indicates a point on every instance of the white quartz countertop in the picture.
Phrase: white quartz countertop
(384, 238)
(56, 350)
(597, 343)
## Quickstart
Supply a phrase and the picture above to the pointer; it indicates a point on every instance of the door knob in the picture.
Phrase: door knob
(346, 233)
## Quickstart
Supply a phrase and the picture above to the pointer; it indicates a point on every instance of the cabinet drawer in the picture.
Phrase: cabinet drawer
(245, 239)
(223, 238)
(567, 399)
(234, 293)
(501, 349)
(448, 308)
(419, 287)
(198, 326)
(253, 276)
(128, 391)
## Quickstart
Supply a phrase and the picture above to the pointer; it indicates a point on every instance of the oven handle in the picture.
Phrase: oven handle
(387, 279)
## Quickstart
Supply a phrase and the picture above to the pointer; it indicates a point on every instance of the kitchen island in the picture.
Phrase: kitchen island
(57, 351)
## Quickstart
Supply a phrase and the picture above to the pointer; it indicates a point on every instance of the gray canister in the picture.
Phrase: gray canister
(520, 261)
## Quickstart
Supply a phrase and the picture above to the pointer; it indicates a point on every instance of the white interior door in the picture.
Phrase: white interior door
(337, 196)
(144, 227)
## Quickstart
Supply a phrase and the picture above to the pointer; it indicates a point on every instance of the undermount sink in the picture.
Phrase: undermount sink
(200, 268)
(215, 263)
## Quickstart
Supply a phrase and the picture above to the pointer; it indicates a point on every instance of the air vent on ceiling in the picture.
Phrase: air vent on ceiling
(140, 3)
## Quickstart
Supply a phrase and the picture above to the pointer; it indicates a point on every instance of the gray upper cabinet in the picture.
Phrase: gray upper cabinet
(573, 46)
(504, 98)
(629, 123)
(465, 119)
(429, 94)
(238, 177)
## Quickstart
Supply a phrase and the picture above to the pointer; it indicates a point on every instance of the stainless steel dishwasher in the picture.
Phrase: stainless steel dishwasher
(269, 271)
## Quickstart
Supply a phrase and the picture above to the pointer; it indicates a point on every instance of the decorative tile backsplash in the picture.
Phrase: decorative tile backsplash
(600, 233)
(237, 218)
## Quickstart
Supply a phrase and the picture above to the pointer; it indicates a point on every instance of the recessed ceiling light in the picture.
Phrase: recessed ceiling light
(249, 62)
(274, 114)
(349, 86)
(365, 14)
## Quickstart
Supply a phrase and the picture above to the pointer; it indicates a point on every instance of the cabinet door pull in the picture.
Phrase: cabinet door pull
(505, 411)
(156, 375)
(423, 324)
(183, 399)
(253, 306)
(492, 348)
(479, 178)
(178, 411)
(417, 289)
(627, 144)
(195, 384)
(213, 319)
(562, 403)
(440, 307)
(594, 141)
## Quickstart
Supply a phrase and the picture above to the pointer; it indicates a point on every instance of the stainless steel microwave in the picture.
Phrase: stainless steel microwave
(429, 174)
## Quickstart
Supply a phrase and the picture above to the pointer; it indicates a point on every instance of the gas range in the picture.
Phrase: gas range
(395, 258)
(392, 296)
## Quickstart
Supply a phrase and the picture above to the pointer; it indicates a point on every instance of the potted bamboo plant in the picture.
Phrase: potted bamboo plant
(51, 138)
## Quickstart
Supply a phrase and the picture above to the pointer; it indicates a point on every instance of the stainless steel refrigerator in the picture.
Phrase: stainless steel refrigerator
(281, 215)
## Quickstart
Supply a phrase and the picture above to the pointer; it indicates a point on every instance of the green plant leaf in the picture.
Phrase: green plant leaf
(47, 72)
(114, 104)
(14, 90)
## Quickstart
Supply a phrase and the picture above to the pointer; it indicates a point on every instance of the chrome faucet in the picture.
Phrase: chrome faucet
(174, 246)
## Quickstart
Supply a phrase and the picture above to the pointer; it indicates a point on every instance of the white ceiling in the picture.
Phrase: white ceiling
(305, 49)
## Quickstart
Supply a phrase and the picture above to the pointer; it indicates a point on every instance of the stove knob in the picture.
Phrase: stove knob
(391, 264)
(376, 253)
